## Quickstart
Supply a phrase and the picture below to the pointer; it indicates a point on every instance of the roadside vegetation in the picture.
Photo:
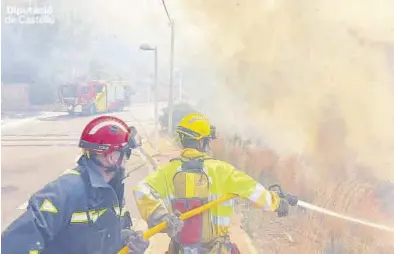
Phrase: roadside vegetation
(358, 195)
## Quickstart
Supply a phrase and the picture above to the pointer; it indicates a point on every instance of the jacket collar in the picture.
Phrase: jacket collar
(92, 170)
(189, 153)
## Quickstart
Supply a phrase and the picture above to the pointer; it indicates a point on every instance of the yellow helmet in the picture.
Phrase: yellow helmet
(195, 126)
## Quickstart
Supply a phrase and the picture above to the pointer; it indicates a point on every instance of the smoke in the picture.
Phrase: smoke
(88, 39)
(291, 68)
(281, 71)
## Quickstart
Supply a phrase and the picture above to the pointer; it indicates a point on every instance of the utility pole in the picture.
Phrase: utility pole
(170, 95)
(180, 86)
(155, 86)
(156, 113)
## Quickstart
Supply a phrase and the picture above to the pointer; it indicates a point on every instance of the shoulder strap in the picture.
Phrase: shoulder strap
(200, 158)
(195, 165)
(175, 159)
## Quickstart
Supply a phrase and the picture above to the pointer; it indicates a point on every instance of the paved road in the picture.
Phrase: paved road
(38, 151)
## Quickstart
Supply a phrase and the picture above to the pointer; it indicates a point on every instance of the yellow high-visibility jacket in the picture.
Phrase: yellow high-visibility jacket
(157, 189)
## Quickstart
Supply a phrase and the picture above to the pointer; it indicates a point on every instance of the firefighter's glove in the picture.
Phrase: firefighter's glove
(283, 209)
(125, 221)
(134, 241)
(174, 223)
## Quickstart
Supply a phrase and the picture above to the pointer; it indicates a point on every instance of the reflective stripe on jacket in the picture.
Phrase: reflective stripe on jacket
(76, 213)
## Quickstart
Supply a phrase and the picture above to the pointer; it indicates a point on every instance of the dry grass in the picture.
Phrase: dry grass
(313, 79)
(304, 231)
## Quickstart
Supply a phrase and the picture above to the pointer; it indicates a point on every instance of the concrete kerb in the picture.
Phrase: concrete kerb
(148, 153)
(155, 147)
(16, 122)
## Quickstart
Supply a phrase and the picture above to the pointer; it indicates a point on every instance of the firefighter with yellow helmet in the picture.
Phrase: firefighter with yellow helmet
(192, 180)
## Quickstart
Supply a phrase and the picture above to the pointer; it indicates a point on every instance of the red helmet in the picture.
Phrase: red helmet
(106, 134)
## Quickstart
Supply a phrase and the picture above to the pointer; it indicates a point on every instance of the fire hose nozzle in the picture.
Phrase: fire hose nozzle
(292, 200)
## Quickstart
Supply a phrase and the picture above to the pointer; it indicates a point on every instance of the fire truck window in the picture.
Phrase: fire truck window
(68, 91)
(99, 89)
(85, 90)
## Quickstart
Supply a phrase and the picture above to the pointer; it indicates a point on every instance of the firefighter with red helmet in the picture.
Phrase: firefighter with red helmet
(83, 210)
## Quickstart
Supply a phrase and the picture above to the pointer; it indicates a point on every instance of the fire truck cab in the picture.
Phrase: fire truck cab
(93, 97)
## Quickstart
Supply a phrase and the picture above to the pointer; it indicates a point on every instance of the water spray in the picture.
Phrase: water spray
(293, 201)
(343, 217)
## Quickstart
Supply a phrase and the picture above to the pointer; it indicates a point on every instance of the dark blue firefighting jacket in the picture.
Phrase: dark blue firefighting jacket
(78, 213)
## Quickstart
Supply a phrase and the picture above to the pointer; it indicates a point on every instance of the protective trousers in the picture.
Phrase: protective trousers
(215, 247)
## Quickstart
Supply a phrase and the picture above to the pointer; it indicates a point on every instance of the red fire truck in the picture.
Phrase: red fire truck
(94, 96)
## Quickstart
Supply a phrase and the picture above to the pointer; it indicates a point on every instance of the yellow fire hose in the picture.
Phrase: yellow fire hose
(160, 227)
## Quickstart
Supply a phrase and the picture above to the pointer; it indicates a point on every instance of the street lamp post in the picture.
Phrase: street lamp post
(170, 95)
(180, 86)
(147, 47)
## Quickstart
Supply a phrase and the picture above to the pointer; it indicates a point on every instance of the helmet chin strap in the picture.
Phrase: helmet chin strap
(114, 168)
(205, 147)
